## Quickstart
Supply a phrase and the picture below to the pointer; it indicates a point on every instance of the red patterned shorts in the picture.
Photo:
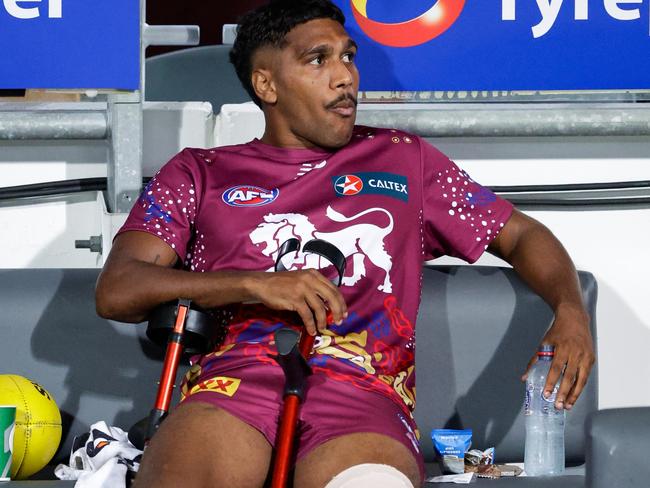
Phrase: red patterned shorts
(331, 408)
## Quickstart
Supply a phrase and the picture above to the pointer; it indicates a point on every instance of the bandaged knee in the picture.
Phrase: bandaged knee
(370, 476)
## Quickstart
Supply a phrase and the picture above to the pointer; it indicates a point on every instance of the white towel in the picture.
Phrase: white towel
(101, 459)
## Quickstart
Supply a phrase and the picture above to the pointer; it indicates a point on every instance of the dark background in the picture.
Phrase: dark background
(210, 15)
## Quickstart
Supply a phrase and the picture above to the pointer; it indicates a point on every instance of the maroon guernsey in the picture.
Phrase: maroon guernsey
(388, 200)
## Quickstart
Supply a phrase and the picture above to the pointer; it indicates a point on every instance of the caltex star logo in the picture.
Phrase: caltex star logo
(348, 185)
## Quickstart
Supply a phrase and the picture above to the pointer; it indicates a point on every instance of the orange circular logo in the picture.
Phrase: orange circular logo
(348, 185)
(412, 32)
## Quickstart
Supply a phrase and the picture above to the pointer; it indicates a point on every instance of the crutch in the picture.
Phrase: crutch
(294, 350)
(182, 327)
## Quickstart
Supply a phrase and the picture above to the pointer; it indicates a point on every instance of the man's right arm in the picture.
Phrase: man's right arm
(139, 275)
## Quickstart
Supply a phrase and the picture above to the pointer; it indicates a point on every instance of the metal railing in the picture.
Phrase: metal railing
(115, 117)
(512, 120)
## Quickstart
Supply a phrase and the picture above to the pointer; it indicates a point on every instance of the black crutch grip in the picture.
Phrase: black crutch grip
(295, 367)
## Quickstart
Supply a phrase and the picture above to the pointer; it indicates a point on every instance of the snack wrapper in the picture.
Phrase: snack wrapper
(476, 457)
(451, 446)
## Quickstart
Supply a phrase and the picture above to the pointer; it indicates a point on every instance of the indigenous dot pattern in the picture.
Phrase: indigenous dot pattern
(466, 199)
(162, 206)
(178, 204)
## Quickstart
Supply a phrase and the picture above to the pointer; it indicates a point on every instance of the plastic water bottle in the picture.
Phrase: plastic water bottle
(544, 453)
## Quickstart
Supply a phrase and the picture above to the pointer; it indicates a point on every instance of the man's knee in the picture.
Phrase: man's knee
(370, 475)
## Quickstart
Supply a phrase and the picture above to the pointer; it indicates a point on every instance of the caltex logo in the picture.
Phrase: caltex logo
(348, 185)
(372, 183)
(413, 32)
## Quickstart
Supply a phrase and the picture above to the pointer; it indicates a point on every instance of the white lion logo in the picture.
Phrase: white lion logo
(358, 240)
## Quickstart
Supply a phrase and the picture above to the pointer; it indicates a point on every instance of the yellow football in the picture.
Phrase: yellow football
(38, 424)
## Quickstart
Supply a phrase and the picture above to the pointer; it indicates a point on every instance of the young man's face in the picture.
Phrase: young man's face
(315, 84)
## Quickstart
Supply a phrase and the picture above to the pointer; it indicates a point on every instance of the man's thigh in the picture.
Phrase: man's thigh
(363, 426)
(318, 467)
(199, 445)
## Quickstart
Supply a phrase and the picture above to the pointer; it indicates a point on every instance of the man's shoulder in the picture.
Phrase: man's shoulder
(384, 138)
(212, 155)
(364, 130)
(398, 143)
(198, 160)
(202, 152)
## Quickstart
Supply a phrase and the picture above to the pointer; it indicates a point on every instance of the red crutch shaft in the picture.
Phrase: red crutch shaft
(172, 358)
(288, 424)
(284, 447)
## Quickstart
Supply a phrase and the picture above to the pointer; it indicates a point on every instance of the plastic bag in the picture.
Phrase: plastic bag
(451, 446)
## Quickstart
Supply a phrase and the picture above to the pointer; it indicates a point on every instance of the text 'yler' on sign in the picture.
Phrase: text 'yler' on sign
(624, 10)
(19, 10)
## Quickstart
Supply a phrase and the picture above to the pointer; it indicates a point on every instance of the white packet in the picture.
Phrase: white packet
(461, 479)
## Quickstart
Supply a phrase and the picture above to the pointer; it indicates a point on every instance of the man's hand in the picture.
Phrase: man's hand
(543, 263)
(574, 355)
(306, 292)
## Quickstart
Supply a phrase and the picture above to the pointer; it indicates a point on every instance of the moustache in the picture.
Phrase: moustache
(342, 98)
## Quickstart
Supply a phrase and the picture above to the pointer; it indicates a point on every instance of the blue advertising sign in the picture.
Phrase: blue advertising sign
(501, 44)
(70, 44)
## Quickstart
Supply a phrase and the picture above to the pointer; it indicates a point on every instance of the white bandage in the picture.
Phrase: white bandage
(370, 476)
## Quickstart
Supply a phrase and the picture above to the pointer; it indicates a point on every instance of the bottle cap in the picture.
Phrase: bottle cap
(546, 350)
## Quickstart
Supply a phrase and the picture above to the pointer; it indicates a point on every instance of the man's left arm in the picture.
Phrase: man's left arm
(542, 262)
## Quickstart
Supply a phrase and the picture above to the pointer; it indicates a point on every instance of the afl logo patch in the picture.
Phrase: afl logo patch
(249, 196)
(348, 185)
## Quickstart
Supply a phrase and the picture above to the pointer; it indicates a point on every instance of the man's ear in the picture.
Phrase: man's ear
(264, 86)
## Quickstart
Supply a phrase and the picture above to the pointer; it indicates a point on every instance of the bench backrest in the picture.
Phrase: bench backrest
(476, 331)
(96, 369)
(194, 74)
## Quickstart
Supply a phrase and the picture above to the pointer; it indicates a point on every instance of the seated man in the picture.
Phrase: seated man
(208, 228)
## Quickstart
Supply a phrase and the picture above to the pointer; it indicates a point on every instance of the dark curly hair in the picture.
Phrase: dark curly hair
(268, 25)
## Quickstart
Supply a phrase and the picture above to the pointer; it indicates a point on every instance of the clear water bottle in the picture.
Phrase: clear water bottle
(544, 453)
